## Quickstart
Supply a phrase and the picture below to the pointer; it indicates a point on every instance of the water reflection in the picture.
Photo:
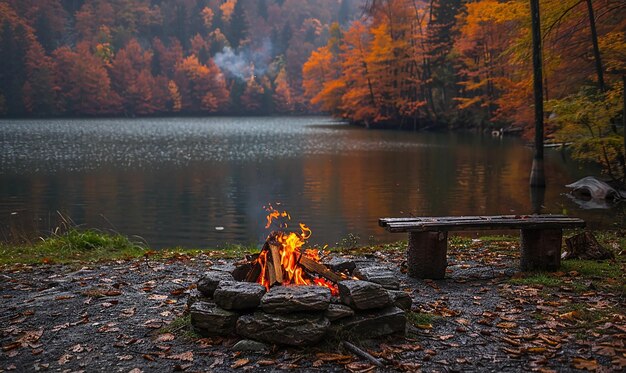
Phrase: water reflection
(173, 181)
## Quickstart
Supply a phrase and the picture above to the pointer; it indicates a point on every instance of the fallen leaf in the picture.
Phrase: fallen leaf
(165, 337)
(153, 324)
(185, 356)
(446, 337)
(619, 361)
(64, 359)
(77, 348)
(332, 357)
(11, 346)
(30, 337)
(536, 350)
(264, 363)
(125, 357)
(410, 347)
(179, 291)
(317, 363)
(571, 316)
(239, 363)
(586, 364)
(157, 297)
(360, 367)
(551, 340)
(64, 297)
(511, 341)
(511, 351)
(128, 312)
(411, 367)
(424, 326)
(288, 366)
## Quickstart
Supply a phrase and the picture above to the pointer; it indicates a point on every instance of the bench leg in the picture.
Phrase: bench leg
(541, 249)
(426, 255)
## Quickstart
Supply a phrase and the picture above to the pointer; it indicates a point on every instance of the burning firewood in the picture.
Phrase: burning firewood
(283, 261)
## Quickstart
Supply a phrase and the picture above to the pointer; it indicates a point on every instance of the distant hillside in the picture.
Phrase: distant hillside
(142, 57)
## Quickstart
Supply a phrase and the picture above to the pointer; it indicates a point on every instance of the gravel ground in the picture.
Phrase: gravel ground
(126, 317)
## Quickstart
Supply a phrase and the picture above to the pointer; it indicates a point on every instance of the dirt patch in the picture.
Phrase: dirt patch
(130, 316)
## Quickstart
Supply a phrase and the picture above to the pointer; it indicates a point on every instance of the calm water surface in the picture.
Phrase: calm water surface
(173, 181)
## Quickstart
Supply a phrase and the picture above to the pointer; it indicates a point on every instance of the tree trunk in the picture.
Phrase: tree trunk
(596, 49)
(624, 129)
(537, 176)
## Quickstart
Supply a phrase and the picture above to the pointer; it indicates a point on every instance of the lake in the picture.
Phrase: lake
(203, 182)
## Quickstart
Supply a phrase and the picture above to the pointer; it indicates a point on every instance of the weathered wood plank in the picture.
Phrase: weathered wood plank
(383, 222)
(530, 223)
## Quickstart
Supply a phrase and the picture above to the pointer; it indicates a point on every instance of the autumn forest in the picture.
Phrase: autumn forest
(413, 64)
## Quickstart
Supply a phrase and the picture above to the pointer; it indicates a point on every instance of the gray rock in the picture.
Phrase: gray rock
(250, 346)
(379, 275)
(194, 296)
(363, 295)
(285, 299)
(233, 295)
(208, 283)
(293, 330)
(339, 264)
(241, 272)
(208, 319)
(372, 324)
(338, 311)
(401, 299)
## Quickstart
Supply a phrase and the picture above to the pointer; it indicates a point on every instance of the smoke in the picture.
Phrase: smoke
(245, 61)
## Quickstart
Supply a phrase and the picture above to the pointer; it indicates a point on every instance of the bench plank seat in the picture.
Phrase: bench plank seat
(462, 223)
(541, 238)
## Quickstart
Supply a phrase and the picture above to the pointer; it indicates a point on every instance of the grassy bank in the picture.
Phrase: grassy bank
(90, 245)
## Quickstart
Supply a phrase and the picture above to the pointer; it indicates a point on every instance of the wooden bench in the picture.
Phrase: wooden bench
(541, 239)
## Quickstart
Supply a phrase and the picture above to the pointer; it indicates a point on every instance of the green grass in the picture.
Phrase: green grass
(498, 238)
(90, 245)
(419, 318)
(592, 268)
(73, 245)
(181, 327)
(540, 278)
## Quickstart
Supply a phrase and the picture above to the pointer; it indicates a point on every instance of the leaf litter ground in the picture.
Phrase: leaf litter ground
(129, 316)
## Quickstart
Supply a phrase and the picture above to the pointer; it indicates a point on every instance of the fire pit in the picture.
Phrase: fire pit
(286, 294)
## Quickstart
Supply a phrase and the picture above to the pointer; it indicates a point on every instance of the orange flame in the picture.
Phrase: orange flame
(290, 250)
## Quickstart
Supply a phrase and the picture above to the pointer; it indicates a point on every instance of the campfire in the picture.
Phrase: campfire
(290, 294)
(283, 260)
